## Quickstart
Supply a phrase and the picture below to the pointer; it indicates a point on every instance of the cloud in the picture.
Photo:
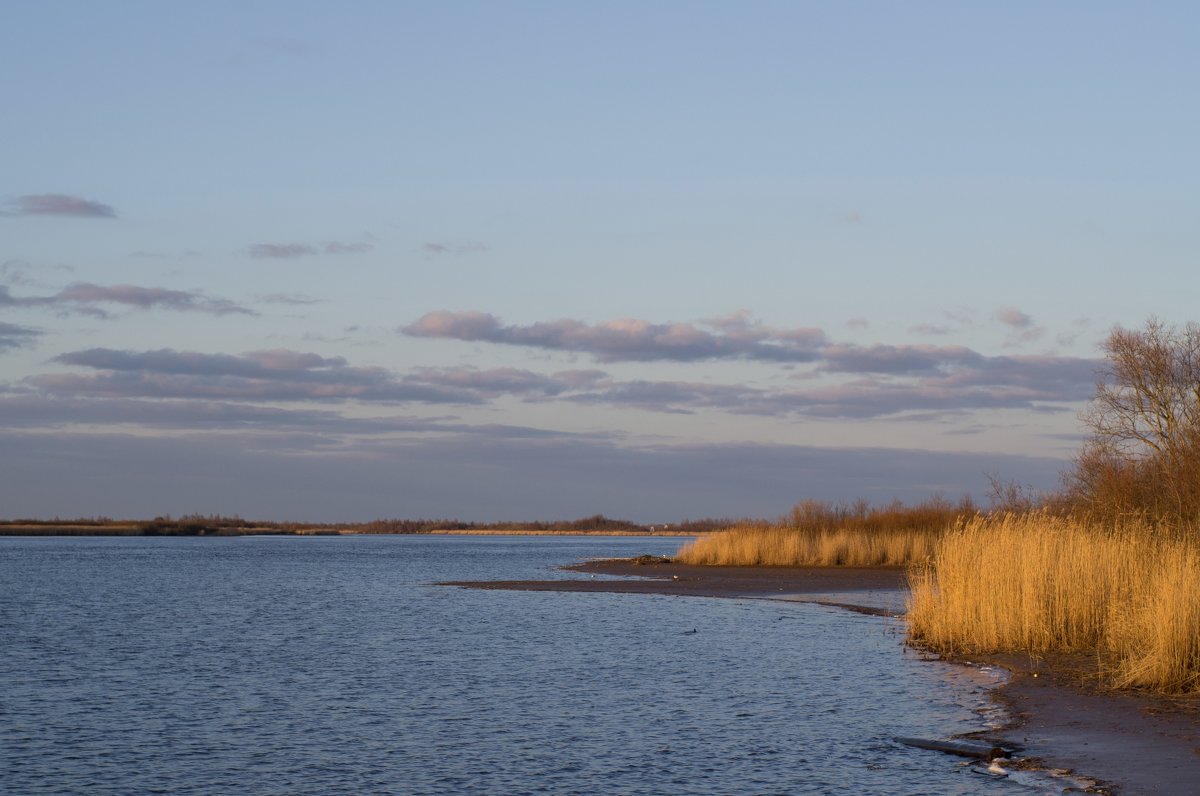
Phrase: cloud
(894, 383)
(281, 250)
(286, 375)
(84, 296)
(347, 248)
(1011, 316)
(274, 375)
(632, 340)
(58, 204)
(436, 249)
(293, 299)
(13, 336)
(498, 381)
(32, 409)
(679, 397)
(1022, 325)
(904, 359)
(930, 328)
(289, 251)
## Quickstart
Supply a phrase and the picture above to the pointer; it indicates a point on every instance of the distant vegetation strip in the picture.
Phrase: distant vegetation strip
(216, 525)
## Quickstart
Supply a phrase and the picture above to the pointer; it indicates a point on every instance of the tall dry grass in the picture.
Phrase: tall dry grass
(1129, 593)
(821, 534)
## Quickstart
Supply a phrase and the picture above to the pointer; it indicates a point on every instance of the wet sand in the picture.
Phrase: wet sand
(1135, 743)
(1141, 743)
(691, 581)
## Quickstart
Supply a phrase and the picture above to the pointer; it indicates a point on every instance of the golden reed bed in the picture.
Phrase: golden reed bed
(1037, 583)
(775, 546)
(1127, 593)
(823, 534)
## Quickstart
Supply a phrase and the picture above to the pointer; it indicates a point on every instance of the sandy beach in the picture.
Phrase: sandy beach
(1133, 743)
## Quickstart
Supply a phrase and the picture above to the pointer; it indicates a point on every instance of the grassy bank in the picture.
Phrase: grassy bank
(1127, 593)
(821, 534)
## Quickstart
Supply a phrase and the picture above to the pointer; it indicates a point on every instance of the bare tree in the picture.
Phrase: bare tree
(1144, 449)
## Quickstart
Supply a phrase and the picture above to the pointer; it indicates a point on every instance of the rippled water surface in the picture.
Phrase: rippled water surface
(330, 665)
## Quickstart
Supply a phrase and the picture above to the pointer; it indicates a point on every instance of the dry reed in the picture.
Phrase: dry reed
(778, 546)
(1045, 584)
(820, 534)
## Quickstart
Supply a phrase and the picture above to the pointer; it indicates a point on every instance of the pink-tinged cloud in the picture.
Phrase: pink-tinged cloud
(632, 339)
(1011, 316)
(1024, 329)
(59, 204)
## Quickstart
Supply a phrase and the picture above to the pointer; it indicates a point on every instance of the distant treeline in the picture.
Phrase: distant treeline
(218, 525)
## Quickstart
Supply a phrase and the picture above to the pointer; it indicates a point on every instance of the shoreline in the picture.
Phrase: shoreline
(1130, 743)
(136, 530)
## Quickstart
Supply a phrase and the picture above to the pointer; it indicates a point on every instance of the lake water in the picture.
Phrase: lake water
(330, 665)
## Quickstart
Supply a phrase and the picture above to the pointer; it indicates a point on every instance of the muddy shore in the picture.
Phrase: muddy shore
(1134, 743)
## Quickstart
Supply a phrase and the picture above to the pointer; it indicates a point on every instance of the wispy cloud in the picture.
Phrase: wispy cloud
(59, 204)
(13, 336)
(1022, 325)
(904, 359)
(290, 251)
(445, 249)
(293, 299)
(84, 297)
(272, 375)
(501, 381)
(1013, 317)
(1041, 384)
(629, 339)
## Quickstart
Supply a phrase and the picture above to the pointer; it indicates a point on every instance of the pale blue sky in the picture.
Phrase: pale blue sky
(517, 260)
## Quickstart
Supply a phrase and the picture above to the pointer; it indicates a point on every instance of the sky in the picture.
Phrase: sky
(536, 260)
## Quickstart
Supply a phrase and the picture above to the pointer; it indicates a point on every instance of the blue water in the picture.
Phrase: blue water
(331, 665)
